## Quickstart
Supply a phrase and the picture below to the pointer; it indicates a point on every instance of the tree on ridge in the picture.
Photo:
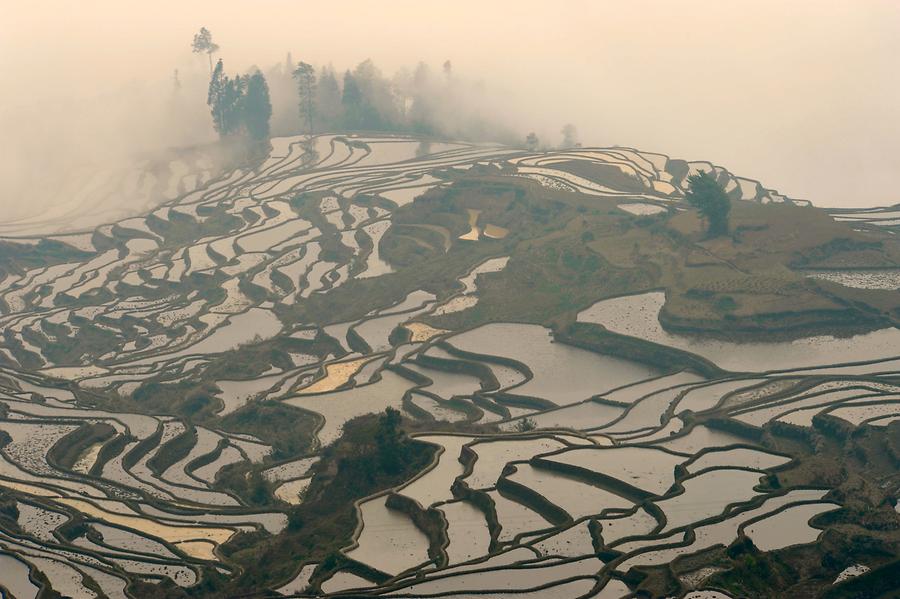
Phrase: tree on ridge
(203, 43)
(305, 75)
(707, 196)
(240, 104)
(257, 107)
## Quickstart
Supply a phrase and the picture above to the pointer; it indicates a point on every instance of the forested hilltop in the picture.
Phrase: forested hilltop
(312, 99)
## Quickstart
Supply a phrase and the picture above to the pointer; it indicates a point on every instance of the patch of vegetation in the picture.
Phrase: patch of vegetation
(66, 452)
(525, 425)
(289, 430)
(181, 229)
(9, 511)
(189, 399)
(725, 303)
(755, 574)
(825, 253)
(373, 454)
(16, 258)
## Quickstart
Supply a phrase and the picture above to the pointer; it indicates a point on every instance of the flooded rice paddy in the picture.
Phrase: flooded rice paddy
(576, 451)
(637, 316)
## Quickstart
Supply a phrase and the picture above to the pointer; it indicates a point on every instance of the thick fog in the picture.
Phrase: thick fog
(803, 95)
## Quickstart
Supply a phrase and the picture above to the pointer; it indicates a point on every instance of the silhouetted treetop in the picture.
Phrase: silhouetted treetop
(203, 43)
(705, 194)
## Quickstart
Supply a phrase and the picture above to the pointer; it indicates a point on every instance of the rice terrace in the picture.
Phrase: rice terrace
(366, 361)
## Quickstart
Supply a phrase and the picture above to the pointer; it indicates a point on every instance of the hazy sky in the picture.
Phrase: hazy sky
(803, 95)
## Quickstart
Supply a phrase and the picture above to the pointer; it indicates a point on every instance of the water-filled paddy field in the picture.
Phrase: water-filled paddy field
(140, 361)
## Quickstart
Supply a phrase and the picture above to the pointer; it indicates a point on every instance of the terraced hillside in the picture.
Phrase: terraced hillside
(594, 399)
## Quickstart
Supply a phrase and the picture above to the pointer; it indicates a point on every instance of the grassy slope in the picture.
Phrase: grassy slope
(568, 251)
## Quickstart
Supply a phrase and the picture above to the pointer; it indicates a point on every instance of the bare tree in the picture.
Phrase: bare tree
(203, 43)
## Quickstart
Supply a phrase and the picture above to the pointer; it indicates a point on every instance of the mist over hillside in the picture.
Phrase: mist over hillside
(713, 82)
(66, 143)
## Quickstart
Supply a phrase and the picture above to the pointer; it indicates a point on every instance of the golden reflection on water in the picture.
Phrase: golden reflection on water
(336, 374)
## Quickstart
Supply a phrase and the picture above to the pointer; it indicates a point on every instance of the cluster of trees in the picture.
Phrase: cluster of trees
(363, 98)
(423, 100)
(240, 104)
(391, 442)
(310, 99)
(375, 447)
(569, 140)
